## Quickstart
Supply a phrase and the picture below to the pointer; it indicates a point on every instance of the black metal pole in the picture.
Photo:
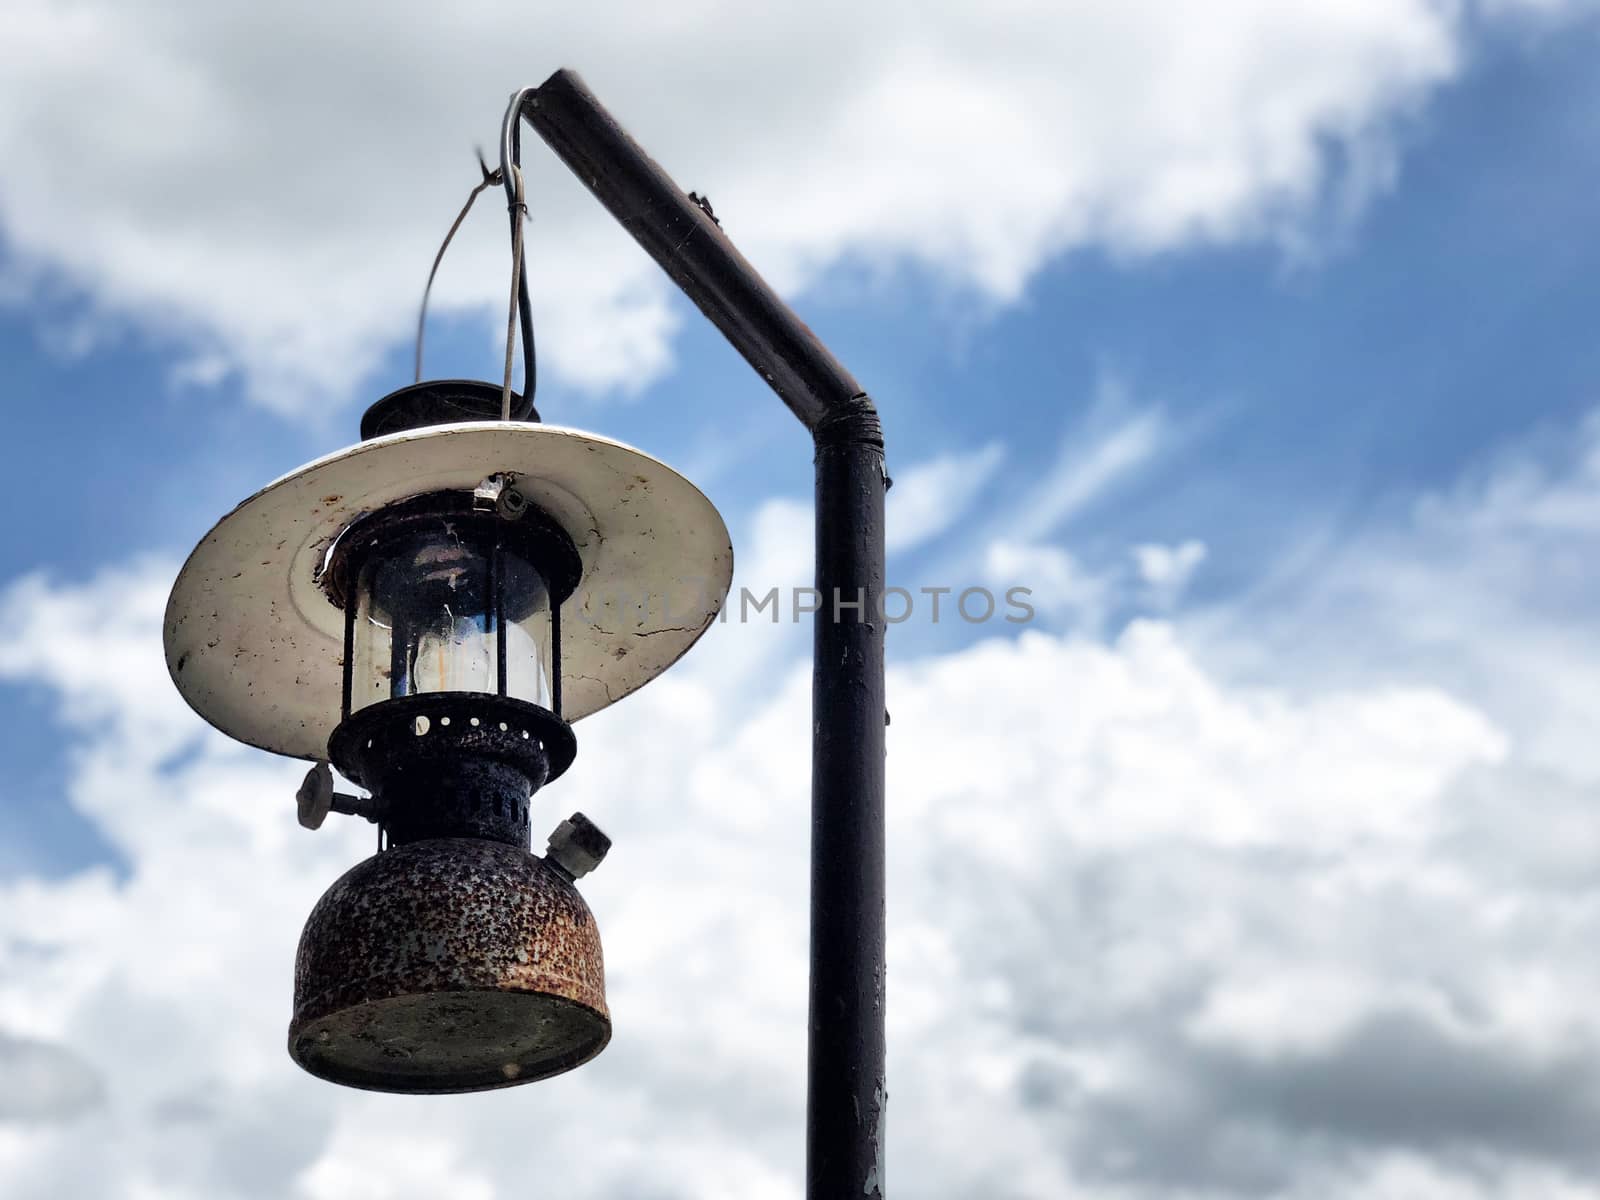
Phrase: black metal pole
(846, 1094)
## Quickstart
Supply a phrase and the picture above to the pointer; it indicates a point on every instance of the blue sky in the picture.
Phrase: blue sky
(1363, 392)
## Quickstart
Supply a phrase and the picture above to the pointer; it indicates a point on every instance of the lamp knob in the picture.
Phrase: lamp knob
(315, 797)
(577, 846)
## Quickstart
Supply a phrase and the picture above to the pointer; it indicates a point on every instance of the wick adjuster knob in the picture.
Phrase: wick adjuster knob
(316, 799)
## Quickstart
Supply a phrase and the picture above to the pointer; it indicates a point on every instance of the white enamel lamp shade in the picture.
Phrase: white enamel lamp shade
(256, 645)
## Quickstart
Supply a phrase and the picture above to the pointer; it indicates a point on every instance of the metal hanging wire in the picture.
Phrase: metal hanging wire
(516, 203)
(490, 179)
(509, 174)
(519, 289)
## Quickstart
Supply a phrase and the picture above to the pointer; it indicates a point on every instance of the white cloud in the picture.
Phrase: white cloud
(105, 684)
(1152, 932)
(773, 555)
(1166, 570)
(929, 497)
(1057, 584)
(263, 187)
(1484, 588)
(1115, 442)
(43, 1082)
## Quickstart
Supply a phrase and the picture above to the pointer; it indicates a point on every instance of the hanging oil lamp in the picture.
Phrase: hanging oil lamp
(429, 611)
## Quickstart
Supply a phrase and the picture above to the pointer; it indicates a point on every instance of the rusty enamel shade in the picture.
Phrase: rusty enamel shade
(255, 644)
(452, 965)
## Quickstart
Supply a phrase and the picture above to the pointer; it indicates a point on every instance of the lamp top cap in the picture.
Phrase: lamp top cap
(433, 402)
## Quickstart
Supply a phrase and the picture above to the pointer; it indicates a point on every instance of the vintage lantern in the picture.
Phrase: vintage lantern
(428, 611)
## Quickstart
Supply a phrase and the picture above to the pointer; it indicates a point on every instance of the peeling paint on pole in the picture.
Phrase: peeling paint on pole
(874, 1184)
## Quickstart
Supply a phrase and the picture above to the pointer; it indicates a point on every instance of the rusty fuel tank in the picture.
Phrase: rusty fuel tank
(449, 965)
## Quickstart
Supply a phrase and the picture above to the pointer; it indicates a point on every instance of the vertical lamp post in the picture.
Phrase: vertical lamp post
(396, 609)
